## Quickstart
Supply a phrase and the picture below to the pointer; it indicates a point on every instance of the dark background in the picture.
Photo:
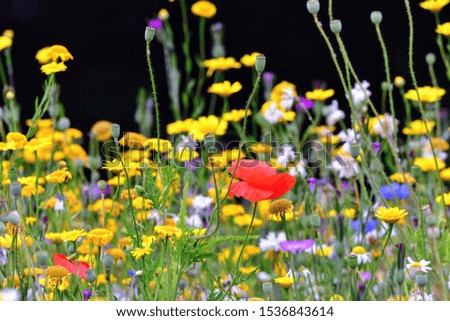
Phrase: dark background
(106, 38)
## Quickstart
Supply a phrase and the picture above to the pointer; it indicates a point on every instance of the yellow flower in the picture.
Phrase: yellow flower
(164, 145)
(53, 67)
(281, 89)
(59, 176)
(336, 297)
(427, 94)
(232, 210)
(445, 174)
(18, 139)
(5, 42)
(319, 94)
(54, 237)
(7, 146)
(284, 281)
(417, 127)
(131, 139)
(220, 63)
(57, 277)
(117, 253)
(390, 215)
(236, 115)
(140, 252)
(399, 178)
(9, 242)
(73, 235)
(438, 144)
(180, 126)
(209, 125)
(102, 129)
(32, 272)
(30, 220)
(428, 164)
(280, 207)
(75, 152)
(99, 236)
(325, 250)
(434, 5)
(349, 212)
(164, 231)
(260, 148)
(249, 60)
(248, 270)
(225, 89)
(444, 29)
(29, 190)
(445, 197)
(36, 144)
(163, 14)
(53, 54)
(204, 9)
(245, 219)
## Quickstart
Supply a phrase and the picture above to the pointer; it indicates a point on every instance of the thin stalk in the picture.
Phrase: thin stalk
(155, 101)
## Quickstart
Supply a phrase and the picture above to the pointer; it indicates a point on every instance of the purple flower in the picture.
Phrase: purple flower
(296, 246)
(155, 23)
(312, 184)
(86, 294)
(366, 276)
(376, 147)
(268, 77)
(304, 104)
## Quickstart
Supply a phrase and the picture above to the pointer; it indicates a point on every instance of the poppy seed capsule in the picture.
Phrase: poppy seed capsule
(108, 262)
(102, 185)
(430, 58)
(267, 287)
(15, 188)
(260, 63)
(376, 17)
(431, 220)
(13, 217)
(336, 26)
(149, 34)
(422, 280)
(313, 6)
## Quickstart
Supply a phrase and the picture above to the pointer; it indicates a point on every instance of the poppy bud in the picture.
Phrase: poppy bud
(108, 262)
(314, 221)
(385, 86)
(421, 280)
(149, 34)
(430, 58)
(431, 220)
(64, 123)
(267, 287)
(353, 261)
(313, 6)
(42, 258)
(376, 17)
(94, 162)
(260, 63)
(355, 150)
(139, 190)
(15, 188)
(336, 26)
(416, 172)
(102, 185)
(10, 95)
(115, 131)
(91, 276)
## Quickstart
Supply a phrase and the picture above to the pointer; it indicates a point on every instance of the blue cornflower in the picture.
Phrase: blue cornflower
(395, 190)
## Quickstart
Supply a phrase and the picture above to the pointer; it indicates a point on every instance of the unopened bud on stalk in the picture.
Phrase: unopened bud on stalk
(267, 288)
(416, 172)
(421, 279)
(313, 6)
(12, 217)
(10, 95)
(431, 220)
(12, 175)
(62, 164)
(108, 262)
(385, 86)
(102, 185)
(399, 82)
(400, 277)
(355, 150)
(376, 17)
(339, 249)
(139, 190)
(115, 131)
(430, 58)
(260, 63)
(91, 276)
(64, 123)
(15, 188)
(353, 261)
(149, 34)
(42, 258)
(336, 26)
(94, 162)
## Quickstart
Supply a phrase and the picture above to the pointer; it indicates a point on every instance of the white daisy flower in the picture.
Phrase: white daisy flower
(273, 114)
(414, 267)
(272, 241)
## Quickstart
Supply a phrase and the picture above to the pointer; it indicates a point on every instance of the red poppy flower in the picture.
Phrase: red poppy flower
(77, 268)
(259, 181)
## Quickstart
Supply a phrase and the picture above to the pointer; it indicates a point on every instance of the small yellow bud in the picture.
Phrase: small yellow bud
(10, 95)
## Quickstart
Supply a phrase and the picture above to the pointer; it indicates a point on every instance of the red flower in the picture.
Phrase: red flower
(79, 268)
(260, 181)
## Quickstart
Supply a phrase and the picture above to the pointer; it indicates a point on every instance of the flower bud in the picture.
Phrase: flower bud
(115, 131)
(355, 150)
(108, 262)
(139, 190)
(267, 287)
(163, 14)
(94, 162)
(91, 276)
(336, 26)
(421, 279)
(399, 82)
(416, 172)
(376, 17)
(313, 6)
(149, 34)
(430, 58)
(400, 277)
(10, 95)
(260, 63)
(12, 175)
(339, 249)
(102, 185)
(15, 188)
(431, 220)
(353, 261)
(385, 86)
(86, 294)
(64, 123)
(314, 221)
(42, 258)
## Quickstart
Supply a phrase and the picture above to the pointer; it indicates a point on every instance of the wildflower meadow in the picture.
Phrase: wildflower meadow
(301, 192)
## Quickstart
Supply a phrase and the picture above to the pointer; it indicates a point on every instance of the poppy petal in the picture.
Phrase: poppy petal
(245, 190)
(74, 268)
(248, 168)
